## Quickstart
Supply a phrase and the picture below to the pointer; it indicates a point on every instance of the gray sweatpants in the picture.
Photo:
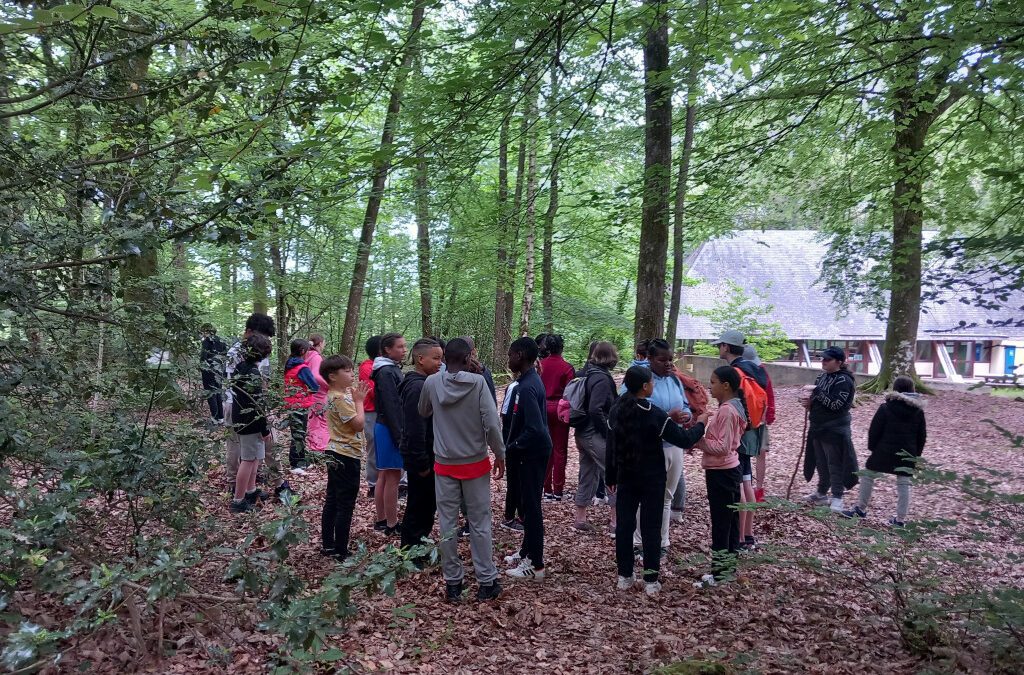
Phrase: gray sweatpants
(828, 458)
(477, 494)
(903, 483)
(591, 446)
(371, 448)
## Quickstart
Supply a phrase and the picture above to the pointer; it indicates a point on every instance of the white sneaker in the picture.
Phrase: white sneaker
(706, 581)
(513, 559)
(599, 501)
(816, 499)
(626, 583)
(837, 505)
(651, 588)
(298, 471)
(677, 516)
(525, 570)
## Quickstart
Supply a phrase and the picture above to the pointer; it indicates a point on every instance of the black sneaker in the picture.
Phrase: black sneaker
(638, 552)
(548, 497)
(380, 526)
(284, 490)
(453, 592)
(391, 531)
(556, 498)
(252, 497)
(488, 591)
(240, 506)
(464, 531)
(513, 525)
(327, 552)
(369, 492)
(262, 495)
(403, 491)
(855, 511)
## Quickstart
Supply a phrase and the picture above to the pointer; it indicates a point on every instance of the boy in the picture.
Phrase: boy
(211, 363)
(249, 420)
(365, 372)
(417, 445)
(263, 325)
(529, 447)
(346, 420)
(299, 387)
(465, 424)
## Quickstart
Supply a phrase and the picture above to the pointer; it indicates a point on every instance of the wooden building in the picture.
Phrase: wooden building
(955, 341)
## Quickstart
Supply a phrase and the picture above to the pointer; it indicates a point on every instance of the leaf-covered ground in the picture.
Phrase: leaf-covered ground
(773, 619)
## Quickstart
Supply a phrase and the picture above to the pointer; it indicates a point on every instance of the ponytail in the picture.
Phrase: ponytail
(626, 413)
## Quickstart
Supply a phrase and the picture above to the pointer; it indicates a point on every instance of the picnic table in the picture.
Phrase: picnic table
(1000, 380)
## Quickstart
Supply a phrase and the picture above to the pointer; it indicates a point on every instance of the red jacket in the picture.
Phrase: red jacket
(298, 394)
(365, 371)
(555, 373)
(769, 414)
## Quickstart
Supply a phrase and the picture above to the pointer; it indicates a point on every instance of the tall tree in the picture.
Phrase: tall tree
(422, 190)
(650, 281)
(378, 178)
(501, 332)
(529, 275)
(547, 300)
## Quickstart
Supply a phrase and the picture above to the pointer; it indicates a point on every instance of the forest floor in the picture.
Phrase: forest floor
(776, 618)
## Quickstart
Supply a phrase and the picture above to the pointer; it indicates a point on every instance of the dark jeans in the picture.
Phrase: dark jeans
(531, 470)
(723, 493)
(649, 496)
(828, 457)
(297, 423)
(343, 474)
(212, 387)
(512, 498)
(420, 508)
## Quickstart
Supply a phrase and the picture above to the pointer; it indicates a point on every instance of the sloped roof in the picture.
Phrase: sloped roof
(785, 265)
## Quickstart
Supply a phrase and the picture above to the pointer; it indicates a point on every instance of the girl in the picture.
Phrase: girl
(721, 464)
(387, 432)
(897, 427)
(345, 418)
(317, 434)
(591, 436)
(636, 473)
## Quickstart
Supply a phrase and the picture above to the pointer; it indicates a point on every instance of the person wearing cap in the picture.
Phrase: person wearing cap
(829, 438)
(761, 464)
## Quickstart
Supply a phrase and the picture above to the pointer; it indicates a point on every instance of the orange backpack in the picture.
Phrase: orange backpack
(696, 394)
(755, 398)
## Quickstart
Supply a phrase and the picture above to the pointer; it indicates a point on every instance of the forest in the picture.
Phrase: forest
(491, 168)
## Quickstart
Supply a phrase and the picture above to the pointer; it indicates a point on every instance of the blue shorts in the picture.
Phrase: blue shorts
(745, 467)
(386, 452)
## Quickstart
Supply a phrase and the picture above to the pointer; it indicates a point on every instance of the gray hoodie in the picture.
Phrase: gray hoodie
(465, 419)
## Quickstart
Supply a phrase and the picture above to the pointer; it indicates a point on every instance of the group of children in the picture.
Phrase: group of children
(433, 426)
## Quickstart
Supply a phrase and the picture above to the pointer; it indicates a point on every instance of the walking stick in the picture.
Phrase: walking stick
(799, 458)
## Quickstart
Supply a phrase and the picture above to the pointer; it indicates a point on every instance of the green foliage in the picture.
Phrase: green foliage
(749, 315)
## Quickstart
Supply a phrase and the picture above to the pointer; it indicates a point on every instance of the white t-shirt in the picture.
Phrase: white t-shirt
(231, 362)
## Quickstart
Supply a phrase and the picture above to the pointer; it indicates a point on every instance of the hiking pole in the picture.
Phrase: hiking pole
(803, 448)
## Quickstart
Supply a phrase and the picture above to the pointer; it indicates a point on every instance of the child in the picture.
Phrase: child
(556, 373)
(528, 447)
(299, 387)
(898, 427)
(387, 432)
(249, 419)
(636, 472)
(365, 371)
(317, 433)
(417, 445)
(641, 354)
(465, 424)
(721, 464)
(345, 422)
(761, 466)
(513, 519)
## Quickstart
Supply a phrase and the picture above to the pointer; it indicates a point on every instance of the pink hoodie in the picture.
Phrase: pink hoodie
(721, 438)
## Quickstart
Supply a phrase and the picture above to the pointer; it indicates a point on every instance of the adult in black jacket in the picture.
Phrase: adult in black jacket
(387, 431)
(417, 445)
(528, 447)
(599, 395)
(829, 440)
(896, 436)
(635, 471)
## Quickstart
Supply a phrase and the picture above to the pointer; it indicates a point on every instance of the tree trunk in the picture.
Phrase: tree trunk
(501, 333)
(423, 240)
(181, 276)
(547, 301)
(650, 281)
(531, 223)
(381, 168)
(911, 130)
(260, 293)
(678, 219)
(279, 262)
(517, 205)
